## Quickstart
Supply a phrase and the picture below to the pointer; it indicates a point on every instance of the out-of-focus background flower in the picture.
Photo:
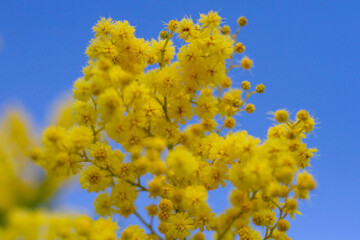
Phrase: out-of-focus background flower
(305, 52)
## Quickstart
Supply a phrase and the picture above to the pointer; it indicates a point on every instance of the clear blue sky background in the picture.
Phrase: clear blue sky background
(305, 52)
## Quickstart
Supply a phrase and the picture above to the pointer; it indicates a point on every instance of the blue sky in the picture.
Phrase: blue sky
(305, 52)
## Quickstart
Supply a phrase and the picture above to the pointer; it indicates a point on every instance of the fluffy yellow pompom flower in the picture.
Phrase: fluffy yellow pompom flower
(168, 81)
(81, 90)
(103, 205)
(94, 179)
(162, 54)
(239, 48)
(186, 29)
(78, 138)
(281, 116)
(180, 226)
(181, 163)
(211, 20)
(101, 154)
(104, 27)
(133, 232)
(246, 63)
(123, 195)
(229, 123)
(104, 229)
(206, 107)
(225, 29)
(172, 25)
(248, 233)
(181, 110)
(249, 108)
(84, 113)
(283, 225)
(53, 136)
(194, 196)
(242, 21)
(260, 88)
(109, 104)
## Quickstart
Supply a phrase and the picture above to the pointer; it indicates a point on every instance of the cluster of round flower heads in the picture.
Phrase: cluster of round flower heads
(25, 191)
(41, 224)
(168, 123)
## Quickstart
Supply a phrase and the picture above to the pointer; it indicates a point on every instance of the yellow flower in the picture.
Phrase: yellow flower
(168, 81)
(104, 229)
(109, 105)
(242, 21)
(246, 63)
(211, 20)
(94, 179)
(186, 29)
(172, 25)
(239, 48)
(203, 217)
(104, 27)
(101, 154)
(53, 136)
(133, 232)
(78, 138)
(248, 233)
(195, 196)
(181, 110)
(81, 90)
(180, 226)
(84, 113)
(181, 163)
(206, 107)
(281, 116)
(123, 194)
(103, 205)
(161, 51)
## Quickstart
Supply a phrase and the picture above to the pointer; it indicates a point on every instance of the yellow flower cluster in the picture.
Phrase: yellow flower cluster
(173, 124)
(39, 224)
(21, 183)
(26, 191)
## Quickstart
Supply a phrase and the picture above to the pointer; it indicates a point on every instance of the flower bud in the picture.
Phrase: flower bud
(302, 115)
(229, 123)
(260, 88)
(281, 116)
(250, 108)
(152, 210)
(225, 29)
(245, 85)
(164, 35)
(165, 205)
(242, 21)
(246, 63)
(226, 82)
(283, 225)
(172, 25)
(239, 48)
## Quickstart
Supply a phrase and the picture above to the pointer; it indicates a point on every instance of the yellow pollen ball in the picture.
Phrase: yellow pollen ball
(229, 123)
(172, 25)
(283, 225)
(225, 29)
(281, 116)
(260, 88)
(239, 48)
(242, 21)
(245, 85)
(250, 108)
(246, 63)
